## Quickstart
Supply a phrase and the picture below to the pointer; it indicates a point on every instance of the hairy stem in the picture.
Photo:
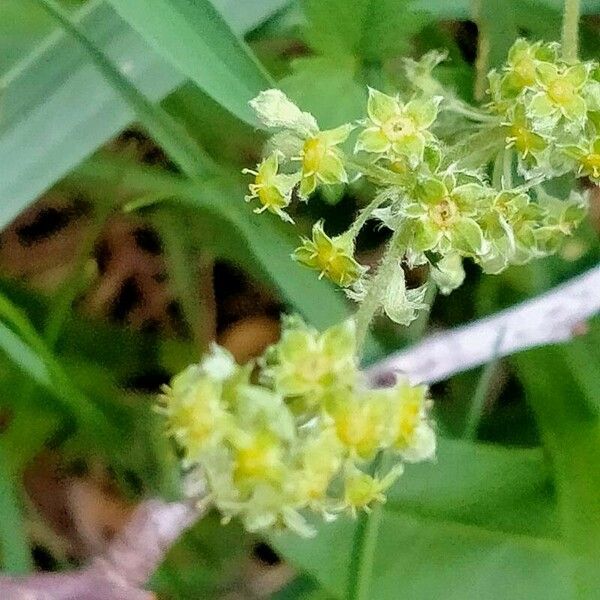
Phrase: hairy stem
(570, 30)
(483, 51)
(363, 548)
(376, 289)
(365, 214)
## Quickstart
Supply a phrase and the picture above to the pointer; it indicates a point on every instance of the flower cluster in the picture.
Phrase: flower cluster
(542, 122)
(296, 431)
(549, 109)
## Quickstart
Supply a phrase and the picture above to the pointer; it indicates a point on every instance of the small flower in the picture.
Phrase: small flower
(360, 422)
(444, 216)
(276, 110)
(560, 93)
(412, 435)
(322, 161)
(399, 304)
(273, 190)
(587, 156)
(308, 364)
(448, 273)
(520, 134)
(523, 60)
(361, 490)
(397, 129)
(196, 416)
(333, 257)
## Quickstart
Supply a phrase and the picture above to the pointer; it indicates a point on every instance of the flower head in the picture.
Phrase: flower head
(273, 189)
(307, 364)
(587, 156)
(322, 160)
(445, 216)
(560, 93)
(395, 129)
(362, 490)
(333, 257)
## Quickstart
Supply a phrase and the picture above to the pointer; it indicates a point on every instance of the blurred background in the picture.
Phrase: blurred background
(115, 274)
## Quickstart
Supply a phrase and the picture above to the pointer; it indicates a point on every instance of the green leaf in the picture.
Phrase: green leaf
(200, 43)
(565, 404)
(173, 138)
(327, 88)
(450, 530)
(370, 29)
(25, 348)
(54, 96)
(14, 549)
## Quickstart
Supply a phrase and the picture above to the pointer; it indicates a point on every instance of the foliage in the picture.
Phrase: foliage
(513, 511)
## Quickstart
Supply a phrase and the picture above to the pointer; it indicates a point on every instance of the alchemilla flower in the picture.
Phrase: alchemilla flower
(397, 129)
(273, 189)
(332, 257)
(299, 139)
(299, 439)
(322, 160)
(444, 216)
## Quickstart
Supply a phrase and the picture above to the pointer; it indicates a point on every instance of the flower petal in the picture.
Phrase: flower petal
(381, 107)
(331, 170)
(467, 237)
(372, 140)
(423, 112)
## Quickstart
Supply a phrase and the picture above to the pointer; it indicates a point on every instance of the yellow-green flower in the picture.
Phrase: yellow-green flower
(560, 92)
(523, 60)
(444, 216)
(308, 364)
(333, 257)
(394, 128)
(273, 189)
(362, 490)
(322, 160)
(520, 134)
(587, 156)
(411, 433)
(360, 422)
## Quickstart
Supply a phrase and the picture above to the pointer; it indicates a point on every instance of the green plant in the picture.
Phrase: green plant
(366, 146)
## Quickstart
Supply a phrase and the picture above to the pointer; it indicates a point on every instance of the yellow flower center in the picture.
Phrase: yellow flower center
(359, 431)
(361, 491)
(591, 162)
(398, 127)
(407, 421)
(313, 154)
(561, 91)
(525, 71)
(525, 140)
(444, 214)
(270, 196)
(258, 460)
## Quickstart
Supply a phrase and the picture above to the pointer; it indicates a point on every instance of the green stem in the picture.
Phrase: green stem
(376, 173)
(364, 545)
(372, 299)
(570, 30)
(483, 50)
(481, 391)
(507, 179)
(365, 214)
(460, 108)
(16, 558)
